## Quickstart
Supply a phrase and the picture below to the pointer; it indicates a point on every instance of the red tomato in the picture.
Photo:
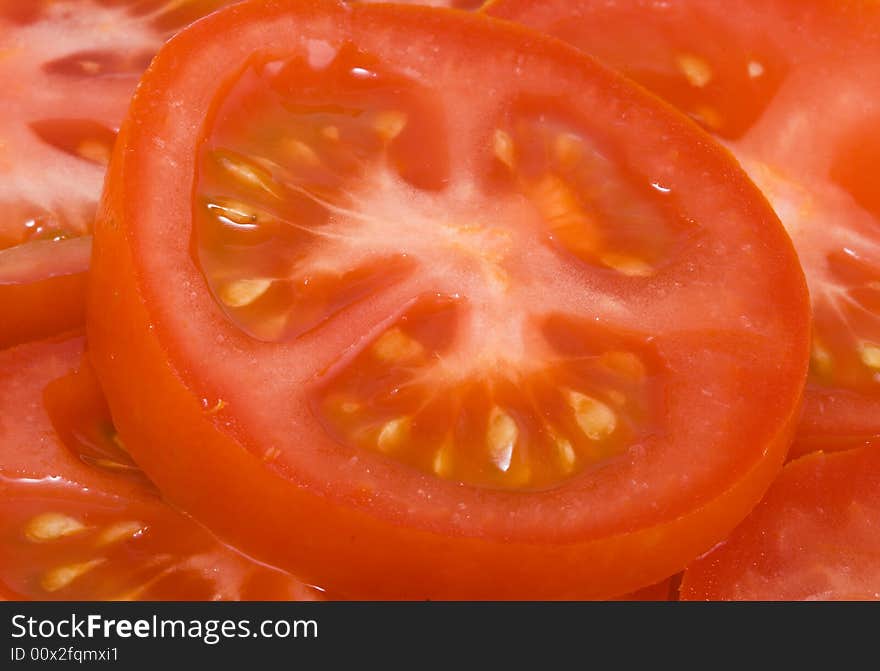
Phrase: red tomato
(78, 519)
(402, 317)
(68, 69)
(790, 86)
(813, 537)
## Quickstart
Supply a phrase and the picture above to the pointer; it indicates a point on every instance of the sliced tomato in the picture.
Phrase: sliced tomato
(68, 69)
(79, 520)
(813, 537)
(790, 87)
(403, 318)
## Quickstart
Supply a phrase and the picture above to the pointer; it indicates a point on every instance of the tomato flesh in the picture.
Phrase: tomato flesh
(79, 520)
(813, 537)
(511, 407)
(789, 88)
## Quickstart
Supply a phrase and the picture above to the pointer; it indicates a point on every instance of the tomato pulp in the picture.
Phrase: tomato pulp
(79, 520)
(68, 69)
(790, 87)
(413, 342)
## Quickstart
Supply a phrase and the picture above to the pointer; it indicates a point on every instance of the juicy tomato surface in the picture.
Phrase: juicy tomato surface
(791, 88)
(79, 520)
(812, 537)
(436, 343)
(68, 69)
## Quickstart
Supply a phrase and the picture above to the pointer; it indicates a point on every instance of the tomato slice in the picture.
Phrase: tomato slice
(790, 88)
(79, 520)
(813, 537)
(476, 346)
(68, 69)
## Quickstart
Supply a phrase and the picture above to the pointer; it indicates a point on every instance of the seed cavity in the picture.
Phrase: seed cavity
(120, 531)
(60, 577)
(52, 526)
(393, 433)
(502, 147)
(240, 293)
(501, 436)
(395, 345)
(594, 418)
(695, 69)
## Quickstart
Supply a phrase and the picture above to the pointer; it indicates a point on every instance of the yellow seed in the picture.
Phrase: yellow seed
(239, 293)
(93, 150)
(442, 464)
(117, 441)
(695, 69)
(558, 203)
(236, 212)
(566, 453)
(870, 354)
(617, 398)
(501, 436)
(389, 124)
(302, 153)
(395, 345)
(625, 363)
(502, 146)
(627, 265)
(112, 465)
(756, 69)
(709, 116)
(271, 454)
(392, 434)
(568, 149)
(62, 576)
(247, 173)
(330, 132)
(52, 526)
(820, 358)
(89, 67)
(120, 531)
(594, 418)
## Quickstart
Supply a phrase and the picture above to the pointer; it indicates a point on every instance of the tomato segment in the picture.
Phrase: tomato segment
(789, 88)
(813, 537)
(512, 409)
(68, 69)
(79, 520)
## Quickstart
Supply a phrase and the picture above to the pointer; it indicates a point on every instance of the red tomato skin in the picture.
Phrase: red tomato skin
(35, 310)
(366, 556)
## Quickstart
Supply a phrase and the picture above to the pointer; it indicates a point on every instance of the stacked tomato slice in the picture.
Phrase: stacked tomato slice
(790, 88)
(415, 303)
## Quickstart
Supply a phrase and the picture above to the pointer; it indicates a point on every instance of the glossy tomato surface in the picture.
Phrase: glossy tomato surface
(79, 520)
(406, 320)
(813, 537)
(791, 88)
(68, 69)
